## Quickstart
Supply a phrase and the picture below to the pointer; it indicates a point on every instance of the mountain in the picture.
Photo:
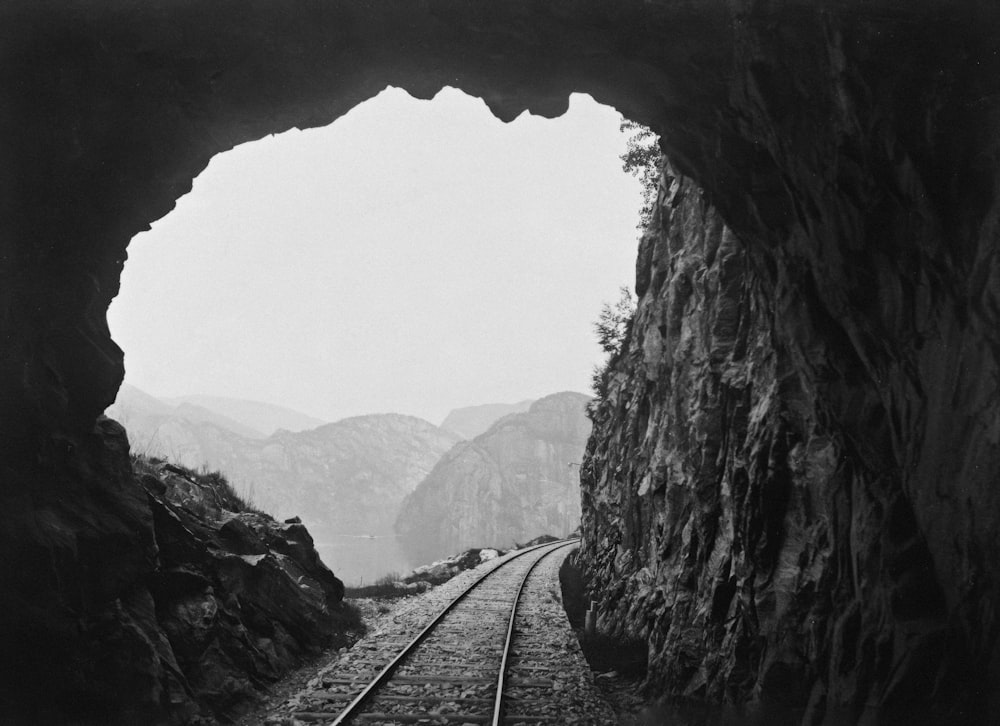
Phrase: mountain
(158, 427)
(344, 478)
(264, 417)
(471, 421)
(513, 482)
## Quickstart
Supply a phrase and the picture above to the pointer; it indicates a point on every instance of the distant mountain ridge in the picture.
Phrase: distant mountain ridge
(344, 479)
(149, 419)
(348, 477)
(257, 415)
(359, 477)
(512, 483)
(471, 421)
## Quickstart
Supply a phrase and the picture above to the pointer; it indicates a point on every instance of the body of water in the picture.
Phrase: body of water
(358, 559)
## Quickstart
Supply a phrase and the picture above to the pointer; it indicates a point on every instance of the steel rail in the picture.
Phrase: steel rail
(498, 705)
(385, 674)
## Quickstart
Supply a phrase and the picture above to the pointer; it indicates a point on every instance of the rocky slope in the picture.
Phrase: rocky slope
(240, 597)
(510, 484)
(231, 600)
(470, 421)
(738, 513)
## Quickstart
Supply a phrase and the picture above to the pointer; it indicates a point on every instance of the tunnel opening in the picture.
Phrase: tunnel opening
(411, 258)
(845, 149)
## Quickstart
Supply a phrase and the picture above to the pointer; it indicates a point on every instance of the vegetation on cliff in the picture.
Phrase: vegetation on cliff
(642, 159)
(613, 325)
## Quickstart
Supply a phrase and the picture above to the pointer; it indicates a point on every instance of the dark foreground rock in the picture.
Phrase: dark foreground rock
(741, 514)
(208, 602)
(241, 597)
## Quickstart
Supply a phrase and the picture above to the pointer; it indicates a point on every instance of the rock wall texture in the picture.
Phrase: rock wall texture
(740, 512)
(77, 541)
(506, 486)
(852, 149)
(239, 598)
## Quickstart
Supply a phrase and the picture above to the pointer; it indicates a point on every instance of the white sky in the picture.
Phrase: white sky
(413, 256)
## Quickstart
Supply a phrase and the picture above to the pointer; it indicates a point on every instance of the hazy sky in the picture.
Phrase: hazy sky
(413, 256)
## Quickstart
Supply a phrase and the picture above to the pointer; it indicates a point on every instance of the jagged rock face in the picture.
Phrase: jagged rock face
(735, 517)
(852, 149)
(239, 597)
(506, 486)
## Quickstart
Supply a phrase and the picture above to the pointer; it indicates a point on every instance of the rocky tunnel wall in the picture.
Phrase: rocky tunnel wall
(741, 515)
(850, 150)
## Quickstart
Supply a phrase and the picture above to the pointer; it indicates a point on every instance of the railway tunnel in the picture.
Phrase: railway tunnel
(825, 530)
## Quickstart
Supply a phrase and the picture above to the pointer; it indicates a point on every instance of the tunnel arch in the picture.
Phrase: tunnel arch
(153, 96)
(435, 222)
(848, 148)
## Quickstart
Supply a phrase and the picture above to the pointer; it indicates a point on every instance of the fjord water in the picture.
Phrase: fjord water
(361, 560)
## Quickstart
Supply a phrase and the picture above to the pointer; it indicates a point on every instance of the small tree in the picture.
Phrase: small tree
(614, 321)
(642, 159)
(613, 325)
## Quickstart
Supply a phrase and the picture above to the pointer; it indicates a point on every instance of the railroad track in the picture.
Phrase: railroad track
(457, 670)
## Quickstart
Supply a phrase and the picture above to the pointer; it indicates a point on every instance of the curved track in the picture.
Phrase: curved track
(455, 669)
